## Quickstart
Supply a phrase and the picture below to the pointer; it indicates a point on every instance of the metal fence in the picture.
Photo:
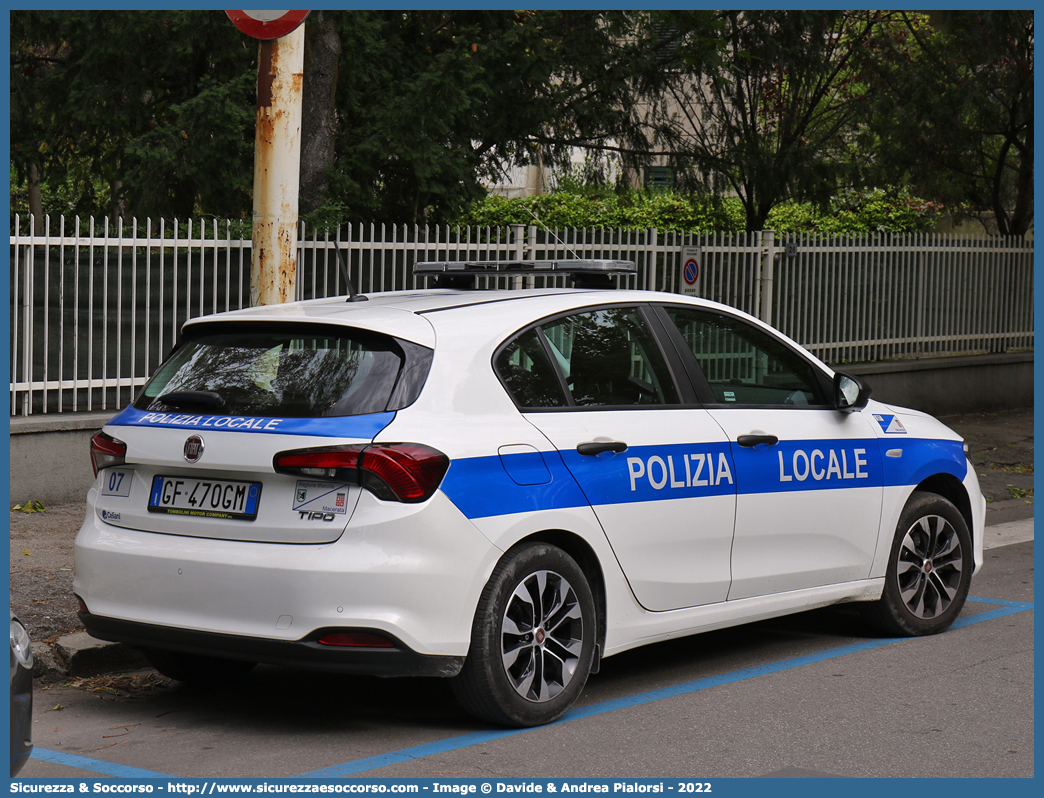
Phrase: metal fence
(96, 305)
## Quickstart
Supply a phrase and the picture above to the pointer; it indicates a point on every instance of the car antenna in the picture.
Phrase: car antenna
(579, 280)
(353, 295)
(548, 231)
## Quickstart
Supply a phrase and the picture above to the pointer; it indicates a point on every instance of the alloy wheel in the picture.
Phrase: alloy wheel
(542, 636)
(929, 566)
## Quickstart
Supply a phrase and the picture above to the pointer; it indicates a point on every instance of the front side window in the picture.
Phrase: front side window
(599, 358)
(746, 365)
(292, 374)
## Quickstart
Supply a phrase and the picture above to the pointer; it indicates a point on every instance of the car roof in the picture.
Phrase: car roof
(396, 313)
(414, 315)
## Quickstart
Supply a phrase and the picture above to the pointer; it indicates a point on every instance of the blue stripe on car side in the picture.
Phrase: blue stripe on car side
(358, 427)
(480, 486)
(921, 458)
(653, 473)
(794, 466)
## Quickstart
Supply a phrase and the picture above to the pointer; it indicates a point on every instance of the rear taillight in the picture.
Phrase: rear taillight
(403, 472)
(411, 472)
(329, 462)
(106, 451)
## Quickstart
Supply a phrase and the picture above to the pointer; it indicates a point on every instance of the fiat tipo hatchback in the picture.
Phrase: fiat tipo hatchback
(503, 487)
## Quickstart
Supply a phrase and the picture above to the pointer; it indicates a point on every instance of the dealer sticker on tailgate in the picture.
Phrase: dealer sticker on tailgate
(205, 498)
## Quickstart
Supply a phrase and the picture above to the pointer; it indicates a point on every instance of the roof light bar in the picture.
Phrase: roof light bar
(478, 267)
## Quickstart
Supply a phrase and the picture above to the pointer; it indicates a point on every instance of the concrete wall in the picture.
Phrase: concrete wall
(50, 455)
(945, 386)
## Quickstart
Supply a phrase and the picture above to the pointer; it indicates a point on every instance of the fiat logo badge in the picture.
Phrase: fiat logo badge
(193, 448)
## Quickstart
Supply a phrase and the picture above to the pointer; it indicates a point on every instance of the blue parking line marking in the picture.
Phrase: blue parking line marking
(419, 752)
(97, 765)
(1004, 608)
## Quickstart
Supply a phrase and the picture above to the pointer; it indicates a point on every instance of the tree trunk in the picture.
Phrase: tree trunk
(319, 112)
(1022, 214)
(35, 199)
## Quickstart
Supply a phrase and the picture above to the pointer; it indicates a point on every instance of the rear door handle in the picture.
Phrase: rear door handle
(591, 448)
(750, 441)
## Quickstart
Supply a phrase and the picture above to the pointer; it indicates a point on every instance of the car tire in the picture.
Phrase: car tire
(196, 669)
(929, 569)
(533, 639)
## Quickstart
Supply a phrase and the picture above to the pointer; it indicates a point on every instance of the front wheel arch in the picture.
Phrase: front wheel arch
(929, 569)
(953, 490)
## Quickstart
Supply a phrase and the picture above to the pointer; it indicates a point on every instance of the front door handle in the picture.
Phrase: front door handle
(591, 448)
(750, 441)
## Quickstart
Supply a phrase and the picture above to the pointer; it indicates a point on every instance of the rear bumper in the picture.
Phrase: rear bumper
(399, 660)
(413, 573)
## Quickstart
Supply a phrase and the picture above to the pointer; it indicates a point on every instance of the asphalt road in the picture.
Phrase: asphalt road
(817, 694)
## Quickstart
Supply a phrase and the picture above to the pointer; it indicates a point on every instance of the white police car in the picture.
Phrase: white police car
(504, 487)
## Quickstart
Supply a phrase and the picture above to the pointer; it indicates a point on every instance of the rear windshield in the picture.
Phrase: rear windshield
(291, 373)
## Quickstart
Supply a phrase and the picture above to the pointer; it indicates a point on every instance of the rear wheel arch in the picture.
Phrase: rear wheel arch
(533, 644)
(585, 556)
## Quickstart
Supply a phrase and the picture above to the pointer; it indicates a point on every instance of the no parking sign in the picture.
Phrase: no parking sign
(267, 24)
(690, 258)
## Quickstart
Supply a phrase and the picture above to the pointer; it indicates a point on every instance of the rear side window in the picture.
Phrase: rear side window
(528, 374)
(292, 373)
(598, 358)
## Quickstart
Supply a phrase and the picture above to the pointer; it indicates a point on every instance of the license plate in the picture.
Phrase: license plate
(205, 498)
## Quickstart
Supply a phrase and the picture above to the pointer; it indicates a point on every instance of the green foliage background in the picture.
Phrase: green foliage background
(770, 119)
(852, 212)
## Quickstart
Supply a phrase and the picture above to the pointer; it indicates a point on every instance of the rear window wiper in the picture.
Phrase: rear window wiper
(182, 398)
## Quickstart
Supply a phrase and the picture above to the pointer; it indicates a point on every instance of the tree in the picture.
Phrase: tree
(957, 116)
(771, 114)
(433, 103)
(408, 114)
(154, 106)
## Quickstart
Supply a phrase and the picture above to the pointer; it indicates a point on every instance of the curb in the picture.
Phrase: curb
(80, 655)
(1008, 533)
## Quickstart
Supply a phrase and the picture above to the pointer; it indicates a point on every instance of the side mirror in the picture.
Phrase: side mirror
(850, 393)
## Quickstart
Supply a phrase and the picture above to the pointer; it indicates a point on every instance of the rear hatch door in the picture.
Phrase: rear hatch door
(202, 436)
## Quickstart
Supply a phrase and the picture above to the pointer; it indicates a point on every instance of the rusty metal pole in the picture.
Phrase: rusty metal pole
(277, 168)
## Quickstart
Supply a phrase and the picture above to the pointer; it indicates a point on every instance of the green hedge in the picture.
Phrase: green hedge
(858, 212)
(663, 210)
(853, 212)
